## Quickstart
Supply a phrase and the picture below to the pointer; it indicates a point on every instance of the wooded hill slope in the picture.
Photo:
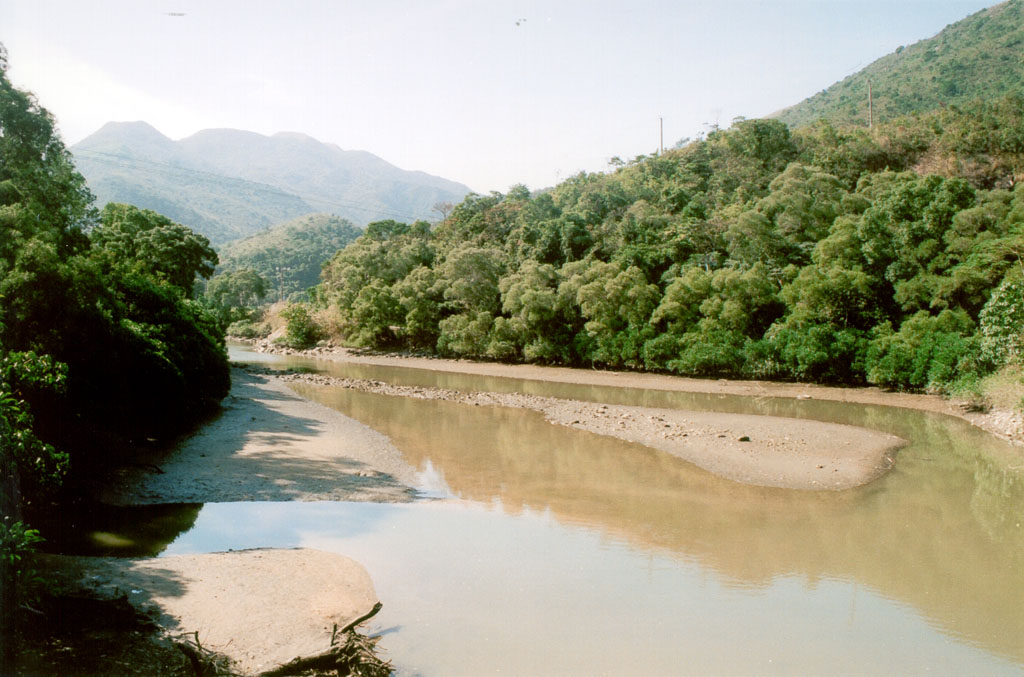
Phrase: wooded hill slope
(889, 256)
(289, 256)
(981, 56)
(825, 252)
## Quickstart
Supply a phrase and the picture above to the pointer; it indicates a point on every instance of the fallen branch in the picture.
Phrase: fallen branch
(365, 617)
(352, 654)
(205, 663)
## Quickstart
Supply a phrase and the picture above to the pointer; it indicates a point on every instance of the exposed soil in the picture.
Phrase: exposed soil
(234, 613)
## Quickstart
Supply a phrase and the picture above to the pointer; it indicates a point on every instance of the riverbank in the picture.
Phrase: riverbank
(236, 613)
(1003, 422)
(269, 444)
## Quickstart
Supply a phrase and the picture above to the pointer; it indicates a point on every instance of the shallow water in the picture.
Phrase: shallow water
(563, 552)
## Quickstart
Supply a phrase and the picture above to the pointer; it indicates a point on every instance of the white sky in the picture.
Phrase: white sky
(489, 93)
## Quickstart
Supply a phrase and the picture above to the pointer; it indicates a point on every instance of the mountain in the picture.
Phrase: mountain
(289, 256)
(980, 57)
(228, 183)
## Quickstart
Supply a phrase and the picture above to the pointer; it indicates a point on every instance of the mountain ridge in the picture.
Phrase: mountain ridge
(229, 183)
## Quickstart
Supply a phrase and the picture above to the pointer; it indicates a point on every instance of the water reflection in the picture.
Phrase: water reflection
(469, 590)
(101, 530)
(942, 531)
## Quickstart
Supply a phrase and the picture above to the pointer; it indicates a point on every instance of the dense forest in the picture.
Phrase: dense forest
(831, 254)
(104, 347)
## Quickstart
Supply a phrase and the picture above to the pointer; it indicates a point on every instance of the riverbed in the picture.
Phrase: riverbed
(540, 549)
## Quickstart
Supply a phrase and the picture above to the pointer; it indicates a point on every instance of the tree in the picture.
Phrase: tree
(41, 194)
(443, 208)
(152, 244)
(235, 295)
(472, 274)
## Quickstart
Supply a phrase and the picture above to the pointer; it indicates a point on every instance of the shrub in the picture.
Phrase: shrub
(247, 329)
(1002, 323)
(711, 352)
(301, 331)
(927, 353)
(820, 352)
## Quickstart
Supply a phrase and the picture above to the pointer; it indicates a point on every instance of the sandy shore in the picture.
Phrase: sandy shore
(269, 444)
(258, 608)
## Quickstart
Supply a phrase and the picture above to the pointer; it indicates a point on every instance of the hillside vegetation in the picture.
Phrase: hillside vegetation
(289, 256)
(980, 57)
(827, 254)
(227, 184)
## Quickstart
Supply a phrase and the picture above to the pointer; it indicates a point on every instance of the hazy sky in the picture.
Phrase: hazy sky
(489, 93)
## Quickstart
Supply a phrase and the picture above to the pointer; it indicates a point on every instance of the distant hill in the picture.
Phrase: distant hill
(228, 184)
(289, 256)
(980, 57)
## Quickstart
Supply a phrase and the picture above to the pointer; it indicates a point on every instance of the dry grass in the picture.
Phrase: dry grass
(1005, 388)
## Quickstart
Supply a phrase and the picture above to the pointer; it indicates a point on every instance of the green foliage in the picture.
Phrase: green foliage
(818, 352)
(1002, 322)
(133, 240)
(828, 253)
(301, 329)
(33, 469)
(927, 353)
(235, 296)
(976, 58)
(247, 329)
(466, 334)
(17, 546)
(288, 256)
(100, 338)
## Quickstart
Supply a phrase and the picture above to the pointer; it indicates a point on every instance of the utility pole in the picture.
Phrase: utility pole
(870, 117)
(661, 135)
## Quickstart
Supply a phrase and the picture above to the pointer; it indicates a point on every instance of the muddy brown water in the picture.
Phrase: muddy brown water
(556, 551)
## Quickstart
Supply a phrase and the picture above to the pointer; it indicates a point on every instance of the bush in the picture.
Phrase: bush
(716, 352)
(927, 353)
(248, 329)
(820, 353)
(301, 331)
(1002, 323)
(17, 545)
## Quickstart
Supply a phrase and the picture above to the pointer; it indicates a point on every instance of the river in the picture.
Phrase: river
(539, 549)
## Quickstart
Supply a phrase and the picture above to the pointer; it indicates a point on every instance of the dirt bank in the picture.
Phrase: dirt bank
(254, 609)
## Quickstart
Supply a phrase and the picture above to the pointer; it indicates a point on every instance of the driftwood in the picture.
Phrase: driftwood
(204, 663)
(350, 654)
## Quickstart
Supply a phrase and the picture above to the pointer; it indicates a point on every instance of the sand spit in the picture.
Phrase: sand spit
(1003, 423)
(760, 450)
